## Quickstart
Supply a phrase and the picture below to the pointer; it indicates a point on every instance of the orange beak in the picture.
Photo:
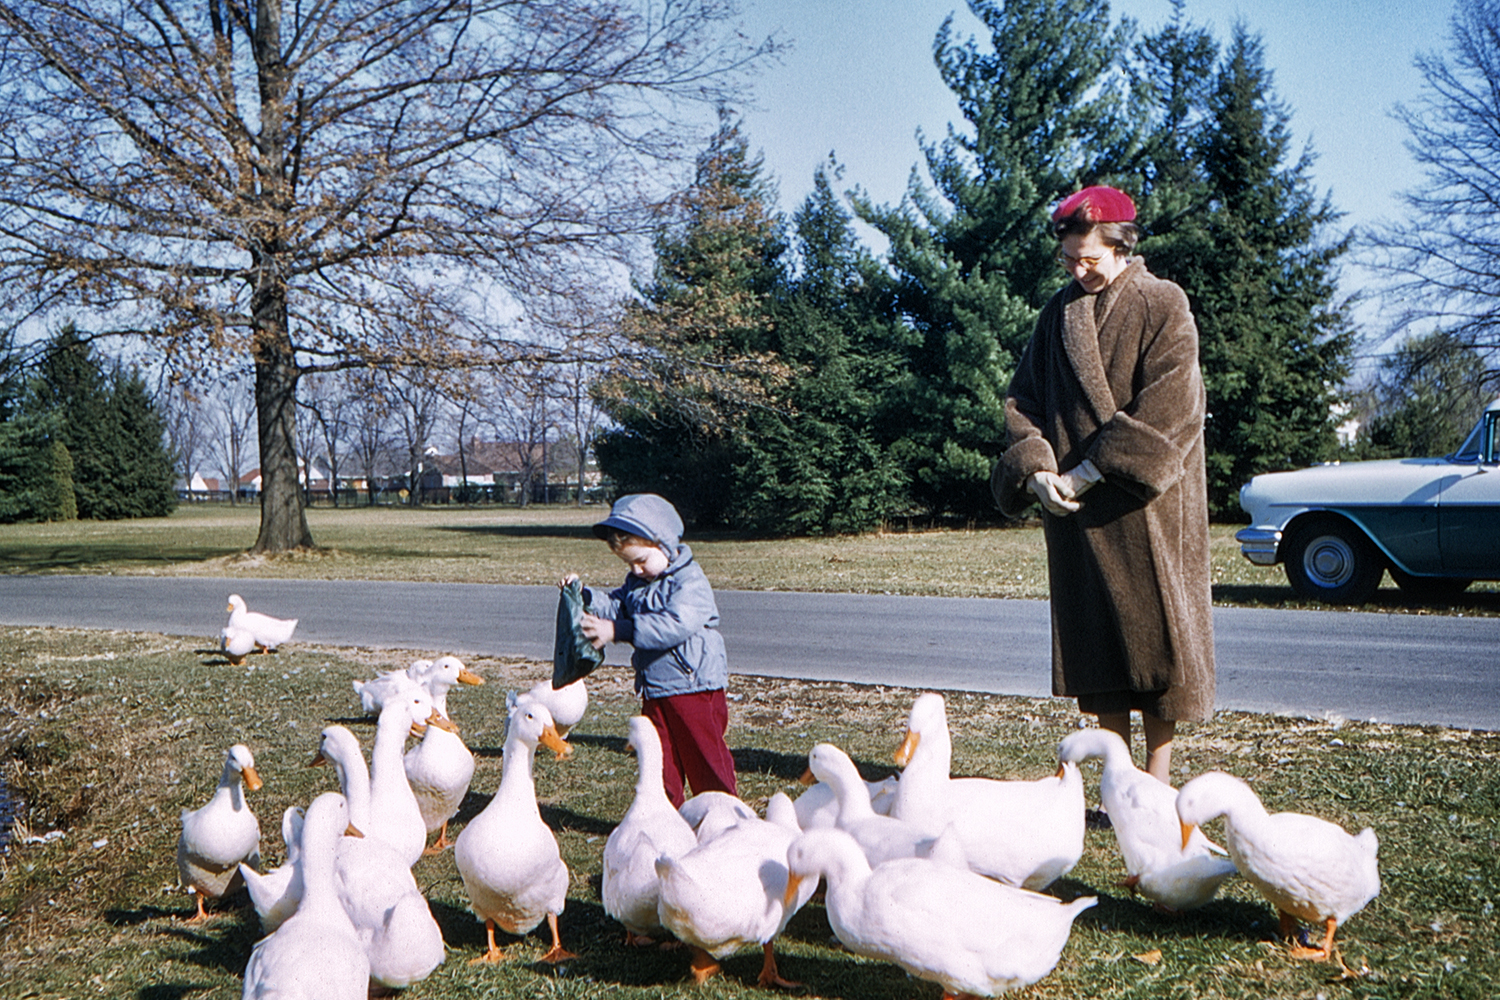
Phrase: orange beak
(251, 779)
(808, 778)
(1061, 771)
(1187, 833)
(559, 746)
(445, 724)
(353, 831)
(793, 883)
(907, 748)
(467, 676)
(318, 760)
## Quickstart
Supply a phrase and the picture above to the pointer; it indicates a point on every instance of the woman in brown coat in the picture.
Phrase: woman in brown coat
(1104, 426)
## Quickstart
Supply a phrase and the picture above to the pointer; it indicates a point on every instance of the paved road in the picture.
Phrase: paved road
(1393, 668)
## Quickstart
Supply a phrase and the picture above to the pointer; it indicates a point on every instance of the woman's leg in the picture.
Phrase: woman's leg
(1159, 733)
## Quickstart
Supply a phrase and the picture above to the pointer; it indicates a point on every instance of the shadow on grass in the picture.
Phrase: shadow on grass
(84, 557)
(572, 531)
(169, 991)
(223, 943)
(755, 760)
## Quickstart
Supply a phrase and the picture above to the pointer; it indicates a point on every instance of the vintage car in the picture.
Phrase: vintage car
(1433, 522)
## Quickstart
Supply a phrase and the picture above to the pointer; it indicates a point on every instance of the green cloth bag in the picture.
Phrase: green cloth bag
(573, 656)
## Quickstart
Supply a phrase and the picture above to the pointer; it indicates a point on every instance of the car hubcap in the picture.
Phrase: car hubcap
(1329, 562)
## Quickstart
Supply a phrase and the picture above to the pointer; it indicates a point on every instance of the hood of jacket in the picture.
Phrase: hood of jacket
(647, 516)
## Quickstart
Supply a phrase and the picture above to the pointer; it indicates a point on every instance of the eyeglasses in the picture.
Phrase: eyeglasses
(1069, 261)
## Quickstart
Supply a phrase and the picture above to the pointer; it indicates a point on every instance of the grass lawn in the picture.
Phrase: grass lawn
(106, 736)
(537, 544)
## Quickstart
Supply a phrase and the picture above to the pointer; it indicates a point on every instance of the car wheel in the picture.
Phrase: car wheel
(1333, 561)
(1429, 588)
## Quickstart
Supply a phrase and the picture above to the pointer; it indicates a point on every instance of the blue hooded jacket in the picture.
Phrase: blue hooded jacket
(672, 621)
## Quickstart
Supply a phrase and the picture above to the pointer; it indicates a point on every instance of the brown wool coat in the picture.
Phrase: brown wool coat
(1129, 571)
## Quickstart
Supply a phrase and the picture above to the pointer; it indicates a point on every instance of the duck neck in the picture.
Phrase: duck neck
(649, 784)
(517, 785)
(354, 780)
(231, 787)
(390, 740)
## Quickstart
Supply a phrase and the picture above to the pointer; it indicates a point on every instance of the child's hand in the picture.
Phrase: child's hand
(598, 631)
(563, 583)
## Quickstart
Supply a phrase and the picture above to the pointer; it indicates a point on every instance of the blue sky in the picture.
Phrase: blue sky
(860, 81)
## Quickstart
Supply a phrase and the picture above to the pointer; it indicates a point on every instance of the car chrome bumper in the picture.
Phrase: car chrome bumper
(1259, 544)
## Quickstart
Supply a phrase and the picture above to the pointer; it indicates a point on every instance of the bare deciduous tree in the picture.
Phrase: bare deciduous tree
(416, 397)
(186, 430)
(231, 442)
(310, 183)
(369, 434)
(328, 401)
(1443, 261)
(523, 416)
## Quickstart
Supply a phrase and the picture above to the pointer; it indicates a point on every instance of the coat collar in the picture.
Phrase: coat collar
(1080, 337)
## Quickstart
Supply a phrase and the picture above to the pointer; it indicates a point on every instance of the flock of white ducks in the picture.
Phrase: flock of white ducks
(929, 872)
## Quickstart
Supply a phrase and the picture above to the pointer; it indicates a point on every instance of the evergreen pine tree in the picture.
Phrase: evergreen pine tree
(143, 479)
(699, 341)
(813, 463)
(974, 257)
(1426, 399)
(1253, 258)
(110, 428)
(71, 386)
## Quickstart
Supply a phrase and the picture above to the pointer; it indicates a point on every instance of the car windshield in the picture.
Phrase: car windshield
(1473, 445)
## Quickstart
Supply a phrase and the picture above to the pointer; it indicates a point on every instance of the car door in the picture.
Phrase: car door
(1469, 511)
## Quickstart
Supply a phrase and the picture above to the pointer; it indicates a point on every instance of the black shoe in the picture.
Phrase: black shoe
(1097, 819)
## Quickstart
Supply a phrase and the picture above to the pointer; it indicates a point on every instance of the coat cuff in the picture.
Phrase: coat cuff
(625, 630)
(1137, 456)
(1008, 482)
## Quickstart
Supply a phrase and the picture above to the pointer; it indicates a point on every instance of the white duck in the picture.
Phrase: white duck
(266, 632)
(316, 954)
(1143, 813)
(818, 806)
(236, 644)
(374, 692)
(567, 704)
(712, 812)
(218, 836)
(1307, 868)
(440, 767)
(729, 892)
(1024, 833)
(276, 893)
(512, 699)
(880, 837)
(402, 941)
(649, 829)
(395, 817)
(508, 857)
(974, 936)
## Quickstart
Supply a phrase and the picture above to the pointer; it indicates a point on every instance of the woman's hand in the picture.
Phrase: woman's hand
(598, 631)
(563, 583)
(1053, 492)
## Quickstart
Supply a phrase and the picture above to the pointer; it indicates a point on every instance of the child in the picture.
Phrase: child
(666, 610)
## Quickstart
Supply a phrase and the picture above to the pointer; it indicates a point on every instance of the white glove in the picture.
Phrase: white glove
(1050, 489)
(1079, 478)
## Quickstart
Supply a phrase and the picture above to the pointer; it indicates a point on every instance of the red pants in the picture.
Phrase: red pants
(692, 729)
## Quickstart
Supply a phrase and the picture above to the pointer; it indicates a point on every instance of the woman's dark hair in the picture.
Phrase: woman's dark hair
(1119, 235)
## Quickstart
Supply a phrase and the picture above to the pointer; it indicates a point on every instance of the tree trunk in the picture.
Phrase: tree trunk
(283, 521)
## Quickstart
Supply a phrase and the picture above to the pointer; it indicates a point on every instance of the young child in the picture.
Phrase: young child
(666, 610)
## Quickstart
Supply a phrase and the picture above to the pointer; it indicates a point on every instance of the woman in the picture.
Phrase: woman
(1104, 427)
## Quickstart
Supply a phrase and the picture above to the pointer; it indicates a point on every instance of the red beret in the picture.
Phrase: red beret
(1098, 204)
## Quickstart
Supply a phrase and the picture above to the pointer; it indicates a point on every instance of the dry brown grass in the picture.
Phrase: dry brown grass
(109, 735)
